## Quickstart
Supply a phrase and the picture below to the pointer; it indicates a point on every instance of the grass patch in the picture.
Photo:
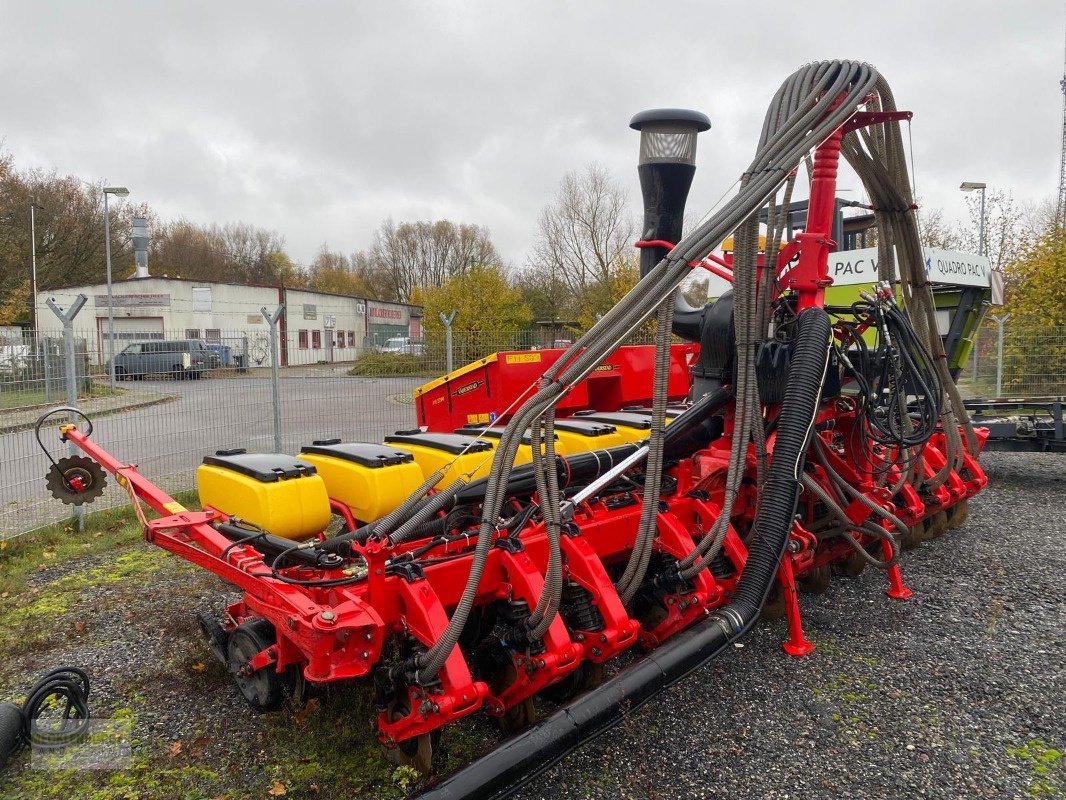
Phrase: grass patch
(379, 365)
(29, 398)
(106, 530)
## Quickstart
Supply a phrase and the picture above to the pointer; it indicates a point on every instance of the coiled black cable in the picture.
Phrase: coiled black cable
(66, 685)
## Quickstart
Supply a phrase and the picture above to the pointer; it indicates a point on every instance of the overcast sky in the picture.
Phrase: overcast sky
(321, 119)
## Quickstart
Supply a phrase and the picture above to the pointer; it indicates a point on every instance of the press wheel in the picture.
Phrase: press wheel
(774, 607)
(958, 514)
(851, 567)
(816, 581)
(416, 752)
(936, 525)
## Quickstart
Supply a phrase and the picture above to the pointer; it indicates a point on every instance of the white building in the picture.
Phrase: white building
(315, 326)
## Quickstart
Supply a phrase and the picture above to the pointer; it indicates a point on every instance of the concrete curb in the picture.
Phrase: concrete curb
(27, 424)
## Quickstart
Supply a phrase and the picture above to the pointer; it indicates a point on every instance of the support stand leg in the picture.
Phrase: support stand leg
(796, 645)
(896, 590)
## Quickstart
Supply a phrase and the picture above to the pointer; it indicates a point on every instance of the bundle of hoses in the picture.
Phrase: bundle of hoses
(521, 758)
(66, 687)
(877, 155)
(808, 107)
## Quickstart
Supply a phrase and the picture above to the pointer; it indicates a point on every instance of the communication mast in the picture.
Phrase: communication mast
(1060, 210)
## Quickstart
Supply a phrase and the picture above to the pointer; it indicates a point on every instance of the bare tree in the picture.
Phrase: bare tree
(414, 255)
(584, 244)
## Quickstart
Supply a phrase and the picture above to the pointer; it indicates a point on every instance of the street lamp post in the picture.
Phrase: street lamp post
(119, 191)
(970, 186)
(33, 269)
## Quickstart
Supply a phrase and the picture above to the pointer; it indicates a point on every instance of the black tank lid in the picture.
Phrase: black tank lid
(488, 432)
(583, 427)
(451, 443)
(362, 453)
(264, 467)
(628, 419)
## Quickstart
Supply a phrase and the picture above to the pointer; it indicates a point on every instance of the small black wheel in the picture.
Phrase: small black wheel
(177, 373)
(120, 373)
(263, 689)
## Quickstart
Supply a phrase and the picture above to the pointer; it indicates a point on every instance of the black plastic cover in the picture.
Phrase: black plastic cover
(628, 419)
(362, 453)
(583, 427)
(489, 432)
(451, 443)
(264, 467)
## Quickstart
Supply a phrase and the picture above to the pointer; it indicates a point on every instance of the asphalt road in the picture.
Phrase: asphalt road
(168, 441)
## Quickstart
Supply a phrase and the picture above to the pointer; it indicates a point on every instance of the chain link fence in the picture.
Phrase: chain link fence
(1032, 364)
(176, 399)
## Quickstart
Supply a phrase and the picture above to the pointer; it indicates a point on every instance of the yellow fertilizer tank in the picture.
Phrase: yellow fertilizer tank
(371, 479)
(281, 494)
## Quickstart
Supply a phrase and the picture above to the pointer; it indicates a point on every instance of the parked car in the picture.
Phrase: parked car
(402, 345)
(179, 358)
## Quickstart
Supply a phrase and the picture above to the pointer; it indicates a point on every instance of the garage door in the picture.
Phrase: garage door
(127, 329)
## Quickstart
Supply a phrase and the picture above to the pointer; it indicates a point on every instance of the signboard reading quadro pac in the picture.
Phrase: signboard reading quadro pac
(850, 267)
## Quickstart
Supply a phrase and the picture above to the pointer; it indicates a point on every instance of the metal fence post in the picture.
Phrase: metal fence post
(976, 340)
(67, 319)
(275, 375)
(447, 322)
(1000, 322)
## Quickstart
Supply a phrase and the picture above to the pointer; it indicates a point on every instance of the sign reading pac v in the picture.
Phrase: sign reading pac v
(850, 267)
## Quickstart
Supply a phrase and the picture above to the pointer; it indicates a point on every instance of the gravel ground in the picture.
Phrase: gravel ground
(957, 692)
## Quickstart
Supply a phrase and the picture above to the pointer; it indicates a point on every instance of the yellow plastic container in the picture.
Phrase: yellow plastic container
(277, 492)
(371, 479)
(458, 456)
(523, 455)
(579, 435)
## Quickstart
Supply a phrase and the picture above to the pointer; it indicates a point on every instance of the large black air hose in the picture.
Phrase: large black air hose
(521, 758)
(67, 688)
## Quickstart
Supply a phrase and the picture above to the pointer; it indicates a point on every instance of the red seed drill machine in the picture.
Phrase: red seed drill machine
(558, 508)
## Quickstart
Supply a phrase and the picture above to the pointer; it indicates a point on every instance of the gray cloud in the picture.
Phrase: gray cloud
(321, 119)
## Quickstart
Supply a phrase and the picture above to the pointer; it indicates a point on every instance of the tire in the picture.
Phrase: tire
(263, 690)
(177, 372)
(120, 374)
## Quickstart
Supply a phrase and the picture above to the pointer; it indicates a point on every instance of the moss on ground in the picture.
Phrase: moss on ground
(61, 586)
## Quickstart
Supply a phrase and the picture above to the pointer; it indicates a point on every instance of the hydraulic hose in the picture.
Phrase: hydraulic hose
(498, 773)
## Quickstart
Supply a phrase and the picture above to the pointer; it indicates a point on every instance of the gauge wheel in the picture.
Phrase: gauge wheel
(816, 581)
(264, 689)
(958, 514)
(416, 752)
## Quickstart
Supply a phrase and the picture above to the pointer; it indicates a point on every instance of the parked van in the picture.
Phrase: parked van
(179, 358)
(402, 345)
